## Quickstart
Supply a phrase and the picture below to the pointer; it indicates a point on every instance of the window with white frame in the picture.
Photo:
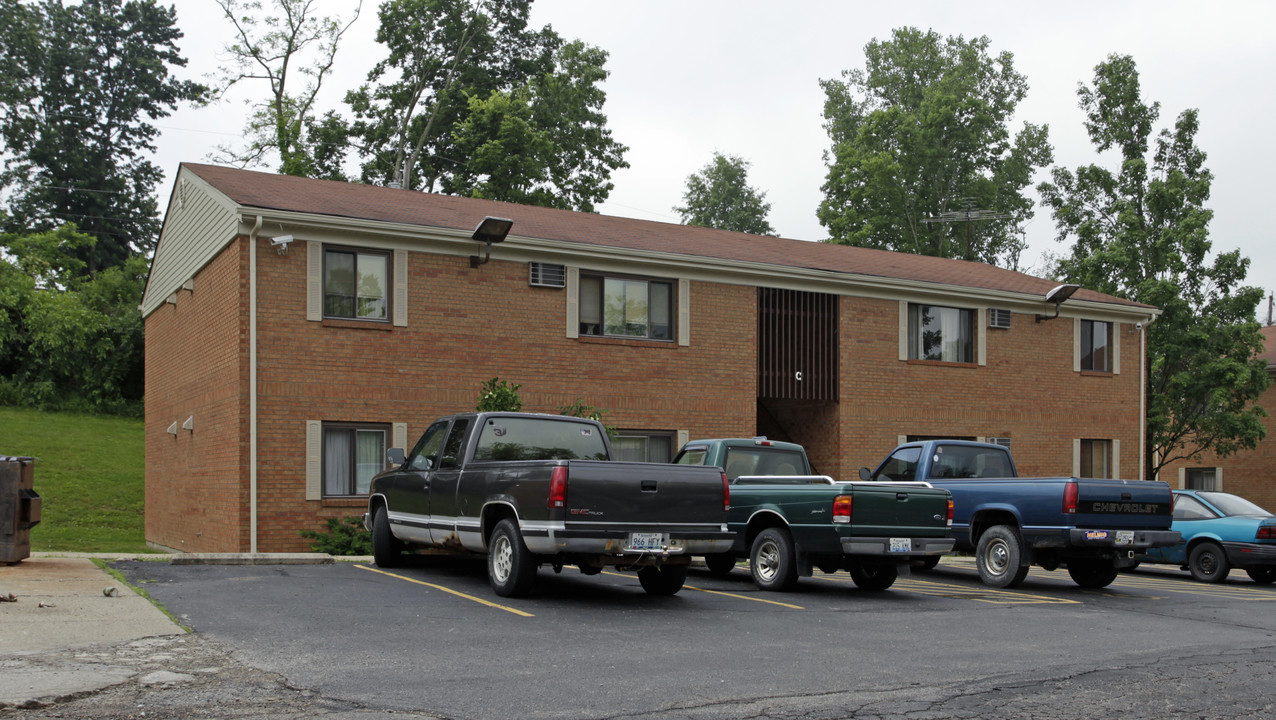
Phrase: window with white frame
(643, 446)
(352, 454)
(356, 284)
(626, 307)
(1096, 458)
(941, 333)
(1096, 346)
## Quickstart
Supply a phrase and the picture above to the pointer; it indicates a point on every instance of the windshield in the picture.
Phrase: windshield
(1231, 504)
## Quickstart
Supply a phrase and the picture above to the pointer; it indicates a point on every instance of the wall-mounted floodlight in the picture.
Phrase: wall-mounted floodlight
(1057, 296)
(281, 243)
(491, 230)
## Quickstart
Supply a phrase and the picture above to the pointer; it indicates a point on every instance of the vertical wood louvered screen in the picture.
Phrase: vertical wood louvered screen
(797, 345)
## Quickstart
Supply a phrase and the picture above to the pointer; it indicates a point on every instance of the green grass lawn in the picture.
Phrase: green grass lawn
(89, 475)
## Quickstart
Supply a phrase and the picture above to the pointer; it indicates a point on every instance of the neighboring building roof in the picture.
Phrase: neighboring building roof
(382, 204)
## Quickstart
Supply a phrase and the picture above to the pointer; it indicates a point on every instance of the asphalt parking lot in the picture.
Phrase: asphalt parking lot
(432, 640)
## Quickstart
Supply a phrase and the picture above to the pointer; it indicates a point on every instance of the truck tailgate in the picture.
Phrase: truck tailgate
(1123, 504)
(905, 509)
(636, 494)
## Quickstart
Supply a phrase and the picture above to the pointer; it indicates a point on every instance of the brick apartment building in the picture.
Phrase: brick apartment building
(1249, 473)
(297, 328)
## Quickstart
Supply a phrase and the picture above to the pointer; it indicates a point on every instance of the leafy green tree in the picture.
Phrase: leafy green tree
(69, 340)
(1142, 232)
(290, 46)
(497, 395)
(922, 131)
(80, 86)
(482, 105)
(719, 196)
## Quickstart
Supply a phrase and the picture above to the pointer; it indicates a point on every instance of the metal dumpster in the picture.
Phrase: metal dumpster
(19, 508)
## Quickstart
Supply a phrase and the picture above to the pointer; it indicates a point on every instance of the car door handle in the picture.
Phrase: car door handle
(648, 485)
(901, 496)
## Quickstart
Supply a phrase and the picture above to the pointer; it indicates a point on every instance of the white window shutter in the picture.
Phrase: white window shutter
(1116, 348)
(1076, 457)
(573, 302)
(684, 436)
(900, 440)
(1076, 348)
(982, 328)
(314, 280)
(1182, 478)
(1218, 479)
(399, 435)
(314, 460)
(684, 312)
(903, 330)
(401, 288)
(1116, 459)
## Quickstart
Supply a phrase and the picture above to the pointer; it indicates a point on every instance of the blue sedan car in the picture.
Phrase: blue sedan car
(1220, 531)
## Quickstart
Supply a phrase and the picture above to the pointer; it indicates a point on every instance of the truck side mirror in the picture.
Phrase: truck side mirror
(866, 474)
(395, 456)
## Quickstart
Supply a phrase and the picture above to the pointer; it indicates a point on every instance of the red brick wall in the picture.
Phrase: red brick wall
(196, 354)
(1027, 392)
(1249, 473)
(465, 326)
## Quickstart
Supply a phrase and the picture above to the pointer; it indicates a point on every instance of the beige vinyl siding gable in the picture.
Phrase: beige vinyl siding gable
(200, 222)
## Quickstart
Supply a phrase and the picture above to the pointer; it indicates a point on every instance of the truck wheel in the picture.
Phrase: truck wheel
(387, 552)
(663, 580)
(721, 564)
(510, 566)
(997, 557)
(772, 560)
(1262, 575)
(1092, 574)
(874, 577)
(1208, 563)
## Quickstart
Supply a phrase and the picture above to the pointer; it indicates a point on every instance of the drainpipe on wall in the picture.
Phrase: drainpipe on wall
(252, 386)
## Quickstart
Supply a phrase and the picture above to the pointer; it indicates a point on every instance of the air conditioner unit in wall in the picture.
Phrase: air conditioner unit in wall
(546, 275)
(999, 318)
(1002, 441)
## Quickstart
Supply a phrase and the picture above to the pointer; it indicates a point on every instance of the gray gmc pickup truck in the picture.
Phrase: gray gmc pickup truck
(531, 490)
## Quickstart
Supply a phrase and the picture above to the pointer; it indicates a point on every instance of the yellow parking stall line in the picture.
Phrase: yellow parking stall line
(725, 594)
(1186, 587)
(480, 601)
(940, 589)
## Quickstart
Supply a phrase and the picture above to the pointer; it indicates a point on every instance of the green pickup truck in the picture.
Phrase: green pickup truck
(788, 521)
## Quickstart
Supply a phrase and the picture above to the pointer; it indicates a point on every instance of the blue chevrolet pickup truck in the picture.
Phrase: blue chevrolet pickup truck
(1093, 527)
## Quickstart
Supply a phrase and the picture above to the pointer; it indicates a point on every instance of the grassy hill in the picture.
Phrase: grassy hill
(89, 475)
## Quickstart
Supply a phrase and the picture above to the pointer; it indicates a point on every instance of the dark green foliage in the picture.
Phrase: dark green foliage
(498, 395)
(344, 536)
(1142, 232)
(81, 85)
(719, 197)
(923, 131)
(69, 341)
(481, 105)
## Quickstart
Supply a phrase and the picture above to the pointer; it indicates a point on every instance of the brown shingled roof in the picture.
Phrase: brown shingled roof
(374, 203)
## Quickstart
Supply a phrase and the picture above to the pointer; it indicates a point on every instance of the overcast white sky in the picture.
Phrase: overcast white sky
(741, 77)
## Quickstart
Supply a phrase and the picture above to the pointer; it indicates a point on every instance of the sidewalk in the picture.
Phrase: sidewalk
(67, 633)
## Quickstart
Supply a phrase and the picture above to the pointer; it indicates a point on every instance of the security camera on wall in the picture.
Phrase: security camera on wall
(281, 242)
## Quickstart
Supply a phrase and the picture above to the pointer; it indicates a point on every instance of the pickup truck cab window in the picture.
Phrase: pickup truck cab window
(901, 466)
(453, 448)
(967, 461)
(763, 461)
(530, 438)
(427, 449)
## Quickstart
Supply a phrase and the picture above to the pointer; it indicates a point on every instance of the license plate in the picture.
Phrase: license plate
(647, 541)
(1125, 537)
(901, 545)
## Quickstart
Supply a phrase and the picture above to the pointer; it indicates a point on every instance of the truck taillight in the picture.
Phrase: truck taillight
(950, 512)
(558, 487)
(1070, 498)
(726, 493)
(1266, 532)
(842, 509)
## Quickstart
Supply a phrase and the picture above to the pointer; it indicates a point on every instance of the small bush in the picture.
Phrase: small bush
(345, 536)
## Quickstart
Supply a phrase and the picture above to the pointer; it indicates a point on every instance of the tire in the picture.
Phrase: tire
(930, 563)
(772, 560)
(874, 577)
(1265, 575)
(997, 557)
(662, 580)
(511, 568)
(387, 551)
(1208, 563)
(720, 565)
(1092, 574)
